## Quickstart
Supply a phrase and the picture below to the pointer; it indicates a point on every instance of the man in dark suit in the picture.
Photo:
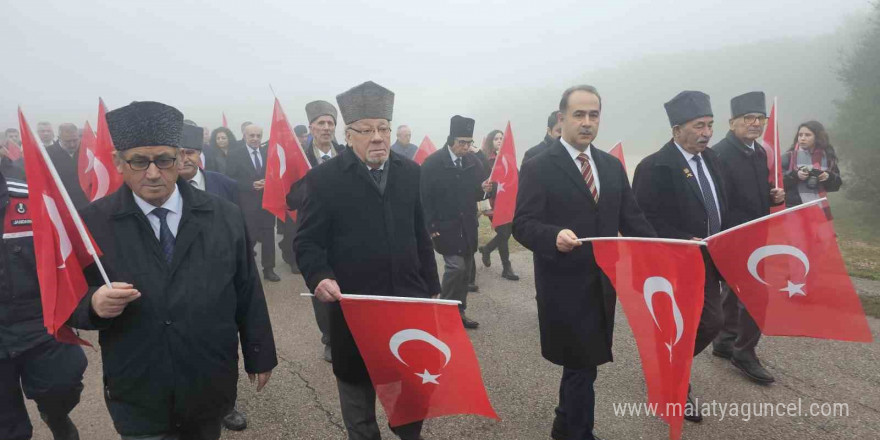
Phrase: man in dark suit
(452, 179)
(190, 168)
(682, 192)
(46, 133)
(554, 131)
(247, 166)
(575, 190)
(362, 231)
(322, 124)
(65, 156)
(744, 169)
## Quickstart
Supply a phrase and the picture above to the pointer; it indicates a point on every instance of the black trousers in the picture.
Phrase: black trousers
(266, 237)
(358, 404)
(50, 375)
(500, 242)
(577, 404)
(203, 430)
(288, 228)
(711, 319)
(739, 333)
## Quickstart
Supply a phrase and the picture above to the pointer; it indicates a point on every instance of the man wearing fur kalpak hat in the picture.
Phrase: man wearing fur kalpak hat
(185, 291)
(361, 231)
(744, 167)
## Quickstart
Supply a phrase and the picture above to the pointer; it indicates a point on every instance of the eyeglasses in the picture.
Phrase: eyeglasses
(141, 164)
(464, 143)
(750, 119)
(384, 131)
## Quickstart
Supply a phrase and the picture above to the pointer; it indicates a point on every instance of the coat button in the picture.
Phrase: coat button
(16, 249)
(257, 349)
(167, 322)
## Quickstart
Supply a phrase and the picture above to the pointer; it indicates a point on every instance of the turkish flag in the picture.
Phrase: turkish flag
(663, 300)
(506, 175)
(225, 124)
(617, 151)
(285, 164)
(772, 146)
(13, 151)
(787, 270)
(104, 177)
(425, 149)
(85, 168)
(60, 251)
(419, 357)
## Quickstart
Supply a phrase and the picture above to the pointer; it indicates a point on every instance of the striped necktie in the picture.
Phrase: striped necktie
(587, 172)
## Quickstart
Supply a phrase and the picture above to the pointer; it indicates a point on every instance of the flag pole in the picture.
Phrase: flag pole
(74, 214)
(776, 151)
(446, 302)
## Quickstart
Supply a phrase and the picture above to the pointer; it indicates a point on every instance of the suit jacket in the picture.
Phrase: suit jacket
(449, 197)
(370, 243)
(172, 356)
(240, 167)
(67, 170)
(576, 302)
(668, 191)
(221, 186)
(745, 176)
(534, 151)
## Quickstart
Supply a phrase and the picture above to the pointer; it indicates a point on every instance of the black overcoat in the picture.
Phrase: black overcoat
(370, 243)
(745, 176)
(240, 167)
(450, 196)
(576, 301)
(172, 355)
(67, 167)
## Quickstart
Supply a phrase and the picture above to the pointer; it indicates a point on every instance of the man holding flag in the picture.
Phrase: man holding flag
(31, 360)
(170, 333)
(383, 250)
(750, 195)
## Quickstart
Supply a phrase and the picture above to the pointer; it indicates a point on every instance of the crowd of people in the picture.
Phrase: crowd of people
(179, 240)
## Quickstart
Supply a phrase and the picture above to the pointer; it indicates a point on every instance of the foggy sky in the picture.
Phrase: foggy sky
(440, 58)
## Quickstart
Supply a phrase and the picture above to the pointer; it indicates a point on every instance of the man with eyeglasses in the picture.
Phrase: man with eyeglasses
(247, 166)
(361, 231)
(744, 168)
(186, 289)
(452, 184)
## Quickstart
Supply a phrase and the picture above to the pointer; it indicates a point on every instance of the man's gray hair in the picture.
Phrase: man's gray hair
(563, 103)
(66, 126)
(402, 127)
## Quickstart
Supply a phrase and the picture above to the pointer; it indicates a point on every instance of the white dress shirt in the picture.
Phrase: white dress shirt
(574, 152)
(319, 154)
(198, 181)
(454, 157)
(174, 205)
(688, 157)
(250, 151)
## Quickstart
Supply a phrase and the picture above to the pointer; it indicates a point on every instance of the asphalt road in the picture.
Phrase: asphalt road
(301, 402)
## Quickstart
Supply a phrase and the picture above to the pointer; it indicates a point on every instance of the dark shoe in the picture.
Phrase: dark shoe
(722, 352)
(691, 411)
(508, 274)
(753, 370)
(62, 429)
(487, 257)
(328, 355)
(294, 269)
(270, 275)
(469, 323)
(473, 288)
(235, 421)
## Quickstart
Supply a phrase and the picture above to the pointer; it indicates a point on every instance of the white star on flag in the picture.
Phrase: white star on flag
(428, 377)
(500, 187)
(794, 289)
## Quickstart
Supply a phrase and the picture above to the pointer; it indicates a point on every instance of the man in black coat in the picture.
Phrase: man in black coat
(575, 190)
(247, 166)
(452, 184)
(682, 192)
(31, 360)
(746, 177)
(382, 250)
(65, 156)
(46, 133)
(191, 168)
(554, 131)
(169, 333)
(322, 124)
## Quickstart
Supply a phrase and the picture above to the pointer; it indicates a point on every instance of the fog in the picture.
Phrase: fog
(491, 60)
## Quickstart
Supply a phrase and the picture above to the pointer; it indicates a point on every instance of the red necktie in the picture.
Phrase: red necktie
(587, 172)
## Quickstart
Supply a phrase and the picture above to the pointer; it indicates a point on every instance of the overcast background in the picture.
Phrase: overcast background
(491, 60)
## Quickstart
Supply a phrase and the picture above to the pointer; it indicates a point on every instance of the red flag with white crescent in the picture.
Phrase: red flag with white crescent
(286, 163)
(60, 251)
(13, 151)
(421, 361)
(506, 175)
(225, 124)
(85, 168)
(772, 147)
(425, 149)
(663, 301)
(617, 151)
(105, 178)
(787, 270)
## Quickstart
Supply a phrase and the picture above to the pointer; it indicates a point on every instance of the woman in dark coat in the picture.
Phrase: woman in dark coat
(487, 155)
(222, 140)
(809, 167)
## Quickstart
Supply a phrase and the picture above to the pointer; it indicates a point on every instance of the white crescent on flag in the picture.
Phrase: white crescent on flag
(90, 156)
(659, 284)
(63, 239)
(103, 178)
(282, 168)
(412, 334)
(779, 249)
